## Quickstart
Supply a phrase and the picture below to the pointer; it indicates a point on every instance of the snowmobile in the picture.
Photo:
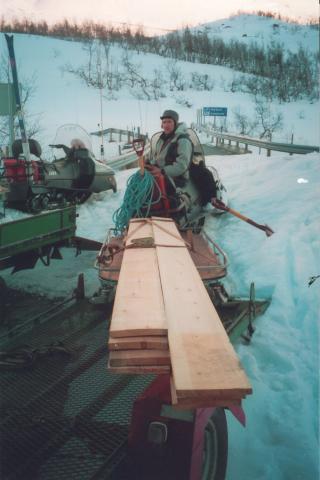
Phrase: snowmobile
(36, 185)
(189, 213)
(192, 443)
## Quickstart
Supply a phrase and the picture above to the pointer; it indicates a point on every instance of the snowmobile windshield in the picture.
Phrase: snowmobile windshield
(73, 136)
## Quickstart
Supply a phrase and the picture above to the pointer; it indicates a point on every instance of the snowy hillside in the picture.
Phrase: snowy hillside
(281, 440)
(263, 30)
(61, 97)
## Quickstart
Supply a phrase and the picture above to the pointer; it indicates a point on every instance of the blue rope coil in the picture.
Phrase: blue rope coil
(137, 200)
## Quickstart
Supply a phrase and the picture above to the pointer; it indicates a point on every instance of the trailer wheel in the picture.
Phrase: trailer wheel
(34, 204)
(215, 452)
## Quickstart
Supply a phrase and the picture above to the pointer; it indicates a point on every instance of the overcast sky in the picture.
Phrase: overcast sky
(165, 14)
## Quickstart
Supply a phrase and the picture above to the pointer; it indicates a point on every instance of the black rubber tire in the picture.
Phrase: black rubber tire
(215, 453)
(34, 147)
(34, 204)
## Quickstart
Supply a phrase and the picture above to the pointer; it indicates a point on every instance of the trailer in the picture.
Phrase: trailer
(65, 416)
(36, 237)
(78, 420)
(165, 441)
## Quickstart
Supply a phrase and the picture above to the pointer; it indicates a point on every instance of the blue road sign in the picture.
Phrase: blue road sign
(215, 111)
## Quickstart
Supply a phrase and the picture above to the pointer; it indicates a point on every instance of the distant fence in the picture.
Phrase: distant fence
(219, 139)
(129, 158)
(126, 160)
(123, 135)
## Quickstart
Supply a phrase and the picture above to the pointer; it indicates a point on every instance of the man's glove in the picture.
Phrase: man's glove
(153, 169)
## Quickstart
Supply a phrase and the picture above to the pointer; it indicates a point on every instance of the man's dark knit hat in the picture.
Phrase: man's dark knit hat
(170, 114)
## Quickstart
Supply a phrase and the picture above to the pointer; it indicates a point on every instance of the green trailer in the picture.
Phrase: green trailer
(23, 242)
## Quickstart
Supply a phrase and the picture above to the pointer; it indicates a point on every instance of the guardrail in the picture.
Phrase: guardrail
(219, 138)
(130, 157)
(123, 161)
(128, 134)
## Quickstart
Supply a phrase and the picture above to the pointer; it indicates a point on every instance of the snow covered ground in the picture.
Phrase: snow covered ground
(281, 440)
(60, 98)
(262, 30)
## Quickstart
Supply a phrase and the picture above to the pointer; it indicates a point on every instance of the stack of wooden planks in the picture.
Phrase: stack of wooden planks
(164, 321)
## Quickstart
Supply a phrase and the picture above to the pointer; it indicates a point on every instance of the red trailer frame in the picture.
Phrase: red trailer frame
(167, 443)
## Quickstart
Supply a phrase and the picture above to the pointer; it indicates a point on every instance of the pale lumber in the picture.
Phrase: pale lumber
(165, 233)
(138, 307)
(140, 369)
(141, 343)
(204, 403)
(202, 357)
(162, 219)
(126, 358)
(199, 399)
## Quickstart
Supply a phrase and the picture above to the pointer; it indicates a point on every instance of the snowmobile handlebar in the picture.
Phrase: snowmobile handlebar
(138, 146)
(59, 145)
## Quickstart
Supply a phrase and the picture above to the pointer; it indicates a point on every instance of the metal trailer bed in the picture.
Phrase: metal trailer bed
(64, 416)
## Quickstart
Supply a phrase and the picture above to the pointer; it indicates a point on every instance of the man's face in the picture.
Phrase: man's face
(167, 125)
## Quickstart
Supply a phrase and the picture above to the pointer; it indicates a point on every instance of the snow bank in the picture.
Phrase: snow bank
(281, 438)
(280, 441)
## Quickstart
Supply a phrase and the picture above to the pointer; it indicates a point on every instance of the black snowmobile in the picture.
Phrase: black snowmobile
(36, 184)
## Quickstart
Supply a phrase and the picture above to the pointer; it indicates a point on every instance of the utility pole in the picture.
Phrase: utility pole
(101, 109)
(25, 142)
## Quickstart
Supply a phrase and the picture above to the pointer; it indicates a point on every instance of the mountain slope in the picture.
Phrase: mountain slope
(263, 30)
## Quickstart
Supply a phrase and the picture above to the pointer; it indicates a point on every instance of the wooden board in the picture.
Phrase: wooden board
(138, 307)
(139, 370)
(202, 357)
(126, 358)
(165, 233)
(204, 402)
(140, 343)
(199, 402)
(160, 292)
(197, 396)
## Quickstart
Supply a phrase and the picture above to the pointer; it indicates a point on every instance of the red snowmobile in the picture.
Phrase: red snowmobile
(210, 260)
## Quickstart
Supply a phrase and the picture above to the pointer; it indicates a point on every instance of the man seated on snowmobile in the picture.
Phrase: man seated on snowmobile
(75, 144)
(171, 153)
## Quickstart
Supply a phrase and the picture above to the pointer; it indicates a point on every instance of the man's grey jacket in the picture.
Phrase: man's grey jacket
(161, 148)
